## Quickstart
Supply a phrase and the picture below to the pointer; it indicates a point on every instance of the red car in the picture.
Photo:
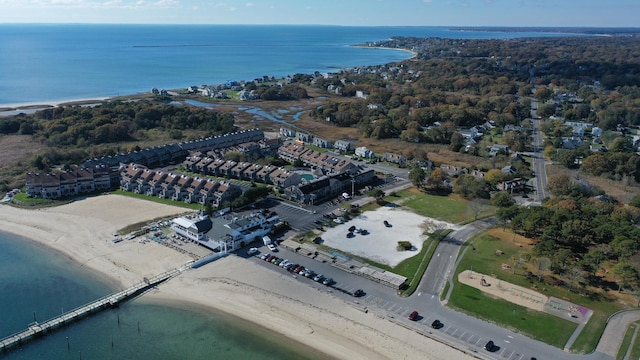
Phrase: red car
(413, 316)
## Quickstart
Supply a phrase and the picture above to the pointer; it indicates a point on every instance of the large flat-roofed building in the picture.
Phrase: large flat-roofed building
(226, 233)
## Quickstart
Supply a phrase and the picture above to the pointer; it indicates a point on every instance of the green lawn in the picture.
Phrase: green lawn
(158, 200)
(544, 327)
(626, 342)
(452, 208)
(635, 346)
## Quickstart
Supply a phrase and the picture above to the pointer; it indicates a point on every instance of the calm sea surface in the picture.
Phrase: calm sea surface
(62, 62)
(36, 283)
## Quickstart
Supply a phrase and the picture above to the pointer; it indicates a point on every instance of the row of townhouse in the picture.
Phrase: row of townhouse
(266, 174)
(178, 187)
(68, 183)
(328, 187)
(172, 153)
(326, 162)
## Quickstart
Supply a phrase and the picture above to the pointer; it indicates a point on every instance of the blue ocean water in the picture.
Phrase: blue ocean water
(38, 284)
(75, 61)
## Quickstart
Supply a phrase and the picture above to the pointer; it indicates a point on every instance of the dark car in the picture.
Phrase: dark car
(386, 223)
(359, 293)
(490, 346)
(352, 228)
(436, 324)
(414, 316)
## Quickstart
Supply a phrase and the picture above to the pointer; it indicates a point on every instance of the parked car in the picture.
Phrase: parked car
(298, 269)
(252, 251)
(265, 256)
(350, 235)
(309, 273)
(364, 232)
(327, 281)
(290, 267)
(414, 316)
(284, 263)
(352, 228)
(271, 257)
(272, 247)
(436, 324)
(386, 224)
(318, 277)
(490, 346)
(359, 293)
(278, 261)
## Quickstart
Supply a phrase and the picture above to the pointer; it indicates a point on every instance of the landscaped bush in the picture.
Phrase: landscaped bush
(404, 246)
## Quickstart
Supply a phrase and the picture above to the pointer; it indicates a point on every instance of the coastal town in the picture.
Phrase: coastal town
(478, 200)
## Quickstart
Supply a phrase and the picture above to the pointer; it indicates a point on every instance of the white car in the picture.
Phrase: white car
(272, 247)
(252, 251)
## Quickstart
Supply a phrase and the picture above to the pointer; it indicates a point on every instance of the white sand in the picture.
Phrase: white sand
(381, 242)
(83, 230)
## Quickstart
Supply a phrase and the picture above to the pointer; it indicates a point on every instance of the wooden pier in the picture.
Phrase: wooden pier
(36, 329)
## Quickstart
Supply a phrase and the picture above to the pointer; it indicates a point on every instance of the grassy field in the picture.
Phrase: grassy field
(158, 200)
(626, 341)
(453, 208)
(509, 267)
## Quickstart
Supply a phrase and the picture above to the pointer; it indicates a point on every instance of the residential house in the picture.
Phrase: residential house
(193, 190)
(207, 192)
(394, 158)
(343, 145)
(153, 185)
(496, 149)
(283, 178)
(225, 192)
(323, 143)
(364, 152)
(180, 187)
(142, 183)
(167, 189)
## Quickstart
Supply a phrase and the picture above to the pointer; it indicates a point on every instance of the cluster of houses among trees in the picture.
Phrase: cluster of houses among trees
(138, 171)
(104, 173)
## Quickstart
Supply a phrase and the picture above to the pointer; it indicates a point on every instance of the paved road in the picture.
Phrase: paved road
(538, 155)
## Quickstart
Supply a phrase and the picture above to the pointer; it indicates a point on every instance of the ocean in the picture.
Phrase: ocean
(40, 63)
(62, 62)
(37, 284)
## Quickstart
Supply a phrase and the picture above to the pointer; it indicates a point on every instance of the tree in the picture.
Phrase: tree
(560, 185)
(437, 178)
(470, 187)
(496, 176)
(502, 199)
(542, 93)
(541, 265)
(417, 176)
(635, 201)
(626, 274)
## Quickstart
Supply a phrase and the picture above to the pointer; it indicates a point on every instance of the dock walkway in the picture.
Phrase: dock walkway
(36, 329)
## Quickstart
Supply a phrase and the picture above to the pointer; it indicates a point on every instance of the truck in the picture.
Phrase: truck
(269, 243)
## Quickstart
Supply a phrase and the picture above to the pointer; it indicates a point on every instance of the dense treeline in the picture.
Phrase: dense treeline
(577, 235)
(113, 122)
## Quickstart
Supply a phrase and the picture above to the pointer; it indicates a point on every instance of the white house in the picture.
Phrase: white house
(364, 152)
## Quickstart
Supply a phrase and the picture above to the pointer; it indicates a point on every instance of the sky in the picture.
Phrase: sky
(547, 13)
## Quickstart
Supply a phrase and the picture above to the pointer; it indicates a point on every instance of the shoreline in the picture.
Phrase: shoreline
(313, 317)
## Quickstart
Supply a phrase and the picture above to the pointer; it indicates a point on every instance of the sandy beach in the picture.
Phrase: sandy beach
(83, 231)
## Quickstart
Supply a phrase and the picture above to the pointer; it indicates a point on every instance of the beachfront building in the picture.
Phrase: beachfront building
(67, 183)
(193, 227)
(226, 233)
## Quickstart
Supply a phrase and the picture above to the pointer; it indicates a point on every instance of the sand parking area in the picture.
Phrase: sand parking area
(381, 241)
